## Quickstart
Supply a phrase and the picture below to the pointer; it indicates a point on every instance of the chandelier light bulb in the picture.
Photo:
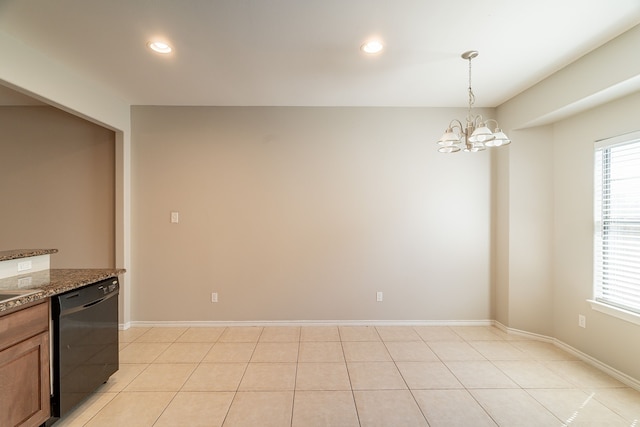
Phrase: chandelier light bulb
(499, 139)
(481, 134)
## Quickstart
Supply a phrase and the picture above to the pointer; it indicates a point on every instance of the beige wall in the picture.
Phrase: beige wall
(57, 185)
(500, 235)
(524, 231)
(544, 228)
(611, 340)
(304, 213)
(531, 230)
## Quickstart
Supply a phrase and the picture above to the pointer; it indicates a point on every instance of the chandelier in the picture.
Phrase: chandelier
(475, 135)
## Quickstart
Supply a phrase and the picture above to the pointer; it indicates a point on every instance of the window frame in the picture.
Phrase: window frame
(598, 304)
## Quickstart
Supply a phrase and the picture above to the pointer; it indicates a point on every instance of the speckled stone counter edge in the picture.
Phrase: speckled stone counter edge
(59, 281)
(24, 253)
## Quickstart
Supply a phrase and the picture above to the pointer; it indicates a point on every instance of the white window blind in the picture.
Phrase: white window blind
(617, 222)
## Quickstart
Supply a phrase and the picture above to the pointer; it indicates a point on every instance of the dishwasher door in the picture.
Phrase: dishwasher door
(85, 342)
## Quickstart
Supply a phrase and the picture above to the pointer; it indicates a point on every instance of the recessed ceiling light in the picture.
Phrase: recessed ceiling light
(160, 47)
(372, 47)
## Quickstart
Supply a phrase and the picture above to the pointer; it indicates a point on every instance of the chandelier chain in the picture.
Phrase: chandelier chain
(472, 97)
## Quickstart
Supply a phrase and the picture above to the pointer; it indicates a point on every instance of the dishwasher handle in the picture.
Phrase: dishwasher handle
(75, 308)
(85, 297)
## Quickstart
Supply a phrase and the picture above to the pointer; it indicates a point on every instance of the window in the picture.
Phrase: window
(617, 223)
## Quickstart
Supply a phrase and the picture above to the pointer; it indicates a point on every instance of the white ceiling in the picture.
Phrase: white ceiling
(306, 52)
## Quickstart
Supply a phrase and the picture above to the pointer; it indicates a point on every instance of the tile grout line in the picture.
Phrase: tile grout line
(156, 358)
(454, 375)
(346, 366)
(518, 386)
(117, 393)
(150, 363)
(235, 393)
(395, 362)
(295, 379)
(527, 390)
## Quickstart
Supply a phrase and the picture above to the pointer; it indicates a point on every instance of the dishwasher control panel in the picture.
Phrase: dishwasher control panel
(108, 288)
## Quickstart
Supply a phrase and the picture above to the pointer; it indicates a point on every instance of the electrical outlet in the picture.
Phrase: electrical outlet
(214, 297)
(379, 296)
(175, 217)
(24, 282)
(24, 266)
(582, 321)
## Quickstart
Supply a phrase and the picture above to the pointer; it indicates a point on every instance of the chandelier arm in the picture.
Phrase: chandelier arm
(492, 120)
(455, 123)
(477, 120)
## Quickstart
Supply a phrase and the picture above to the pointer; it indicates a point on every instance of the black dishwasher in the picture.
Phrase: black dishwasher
(85, 342)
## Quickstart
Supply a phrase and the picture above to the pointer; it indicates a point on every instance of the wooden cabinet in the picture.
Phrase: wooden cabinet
(24, 367)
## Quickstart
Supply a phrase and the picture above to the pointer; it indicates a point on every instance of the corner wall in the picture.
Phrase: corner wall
(523, 231)
(530, 204)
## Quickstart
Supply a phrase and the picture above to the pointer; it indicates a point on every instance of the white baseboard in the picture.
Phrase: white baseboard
(521, 333)
(620, 376)
(124, 326)
(223, 323)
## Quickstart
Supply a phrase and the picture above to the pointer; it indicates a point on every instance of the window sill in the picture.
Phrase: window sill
(615, 312)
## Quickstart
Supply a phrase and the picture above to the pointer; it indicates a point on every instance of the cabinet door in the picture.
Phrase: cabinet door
(24, 383)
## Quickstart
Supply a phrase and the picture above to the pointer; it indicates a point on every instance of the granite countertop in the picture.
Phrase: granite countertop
(48, 283)
(24, 253)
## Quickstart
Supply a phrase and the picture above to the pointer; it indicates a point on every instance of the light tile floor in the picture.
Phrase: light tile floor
(392, 376)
